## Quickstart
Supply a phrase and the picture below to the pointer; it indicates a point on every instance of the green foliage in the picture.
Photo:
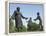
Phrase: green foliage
(11, 26)
(21, 30)
(34, 27)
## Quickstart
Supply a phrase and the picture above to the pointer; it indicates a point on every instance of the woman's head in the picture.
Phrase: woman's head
(18, 9)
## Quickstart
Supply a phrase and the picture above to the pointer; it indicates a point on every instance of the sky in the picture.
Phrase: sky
(27, 10)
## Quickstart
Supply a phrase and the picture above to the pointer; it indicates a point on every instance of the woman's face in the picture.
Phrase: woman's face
(18, 9)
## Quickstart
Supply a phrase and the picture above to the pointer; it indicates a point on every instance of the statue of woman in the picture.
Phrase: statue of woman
(17, 16)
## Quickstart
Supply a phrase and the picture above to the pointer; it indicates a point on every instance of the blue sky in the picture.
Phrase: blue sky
(27, 10)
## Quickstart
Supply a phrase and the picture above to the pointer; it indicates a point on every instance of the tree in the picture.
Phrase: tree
(21, 30)
(34, 27)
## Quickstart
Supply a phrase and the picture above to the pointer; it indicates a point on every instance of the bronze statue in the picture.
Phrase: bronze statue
(40, 23)
(17, 15)
(29, 24)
